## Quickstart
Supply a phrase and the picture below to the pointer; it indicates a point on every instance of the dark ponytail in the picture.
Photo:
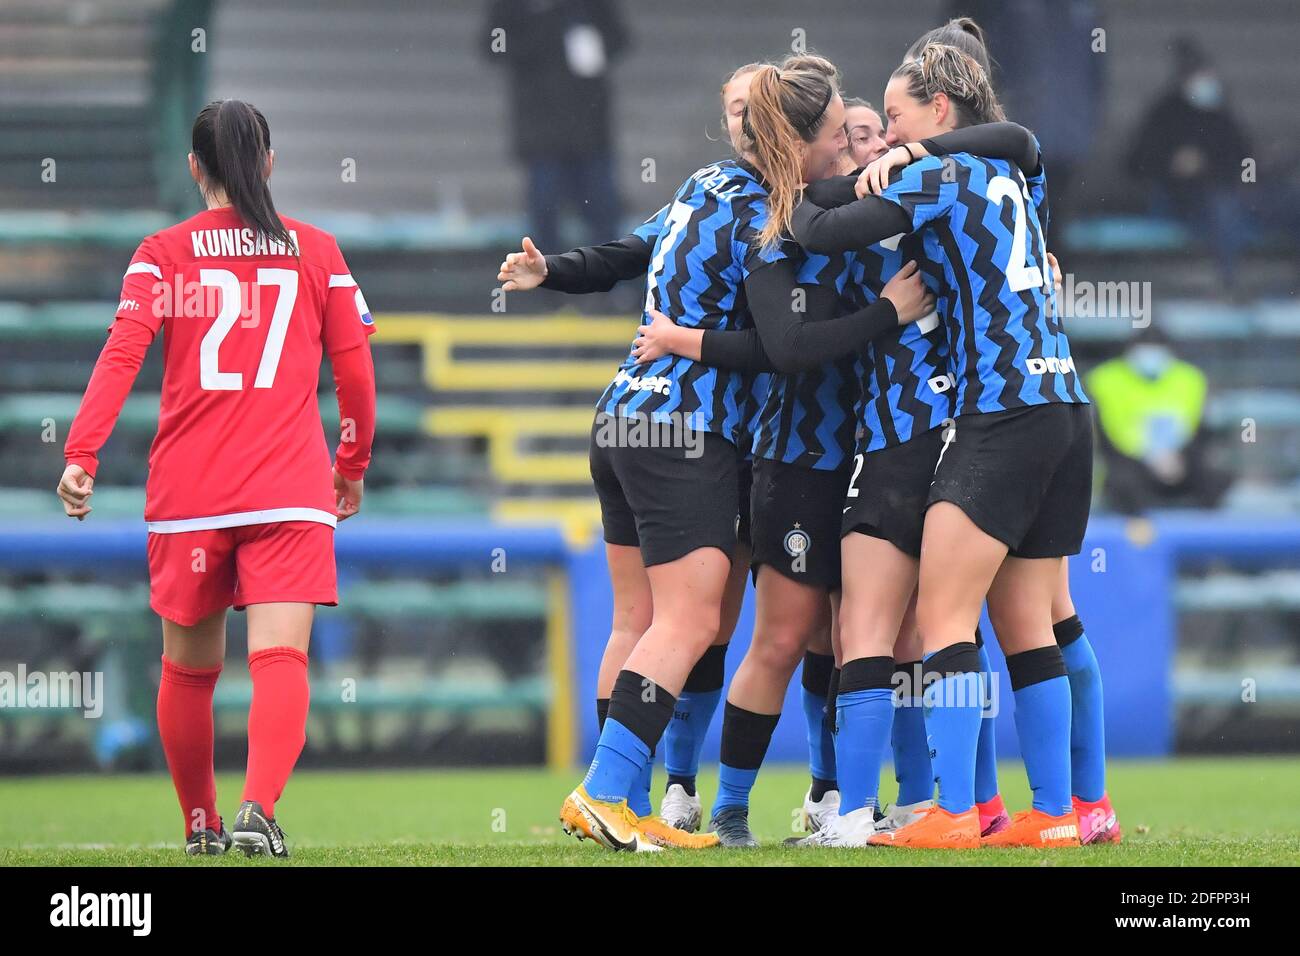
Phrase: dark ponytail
(231, 141)
(963, 33)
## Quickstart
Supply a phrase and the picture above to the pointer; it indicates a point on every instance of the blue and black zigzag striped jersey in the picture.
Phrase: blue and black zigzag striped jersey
(1006, 346)
(906, 388)
(808, 418)
(706, 243)
(747, 436)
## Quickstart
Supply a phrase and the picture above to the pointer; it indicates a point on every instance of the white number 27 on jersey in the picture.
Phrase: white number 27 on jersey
(1019, 275)
(211, 378)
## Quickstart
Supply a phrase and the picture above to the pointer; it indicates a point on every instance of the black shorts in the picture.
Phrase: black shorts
(888, 497)
(744, 488)
(796, 521)
(668, 501)
(1023, 476)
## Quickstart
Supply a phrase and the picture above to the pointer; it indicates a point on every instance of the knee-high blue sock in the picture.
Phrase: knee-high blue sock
(745, 737)
(815, 681)
(638, 800)
(1087, 715)
(864, 715)
(912, 767)
(953, 707)
(635, 721)
(620, 757)
(695, 708)
(1042, 694)
(986, 753)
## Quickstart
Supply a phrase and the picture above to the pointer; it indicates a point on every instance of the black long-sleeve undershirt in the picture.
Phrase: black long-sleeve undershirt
(1009, 141)
(598, 268)
(861, 223)
(788, 341)
(832, 219)
(784, 340)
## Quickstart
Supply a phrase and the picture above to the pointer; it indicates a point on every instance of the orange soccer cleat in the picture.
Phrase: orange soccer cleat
(936, 830)
(661, 833)
(1038, 829)
(612, 825)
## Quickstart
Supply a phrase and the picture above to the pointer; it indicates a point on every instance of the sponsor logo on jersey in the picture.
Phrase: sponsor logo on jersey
(1056, 366)
(651, 383)
(128, 305)
(942, 383)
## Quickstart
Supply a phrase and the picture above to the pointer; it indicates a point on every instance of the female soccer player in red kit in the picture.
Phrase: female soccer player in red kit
(241, 502)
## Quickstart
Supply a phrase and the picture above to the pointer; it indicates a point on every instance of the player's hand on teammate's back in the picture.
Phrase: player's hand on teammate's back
(75, 488)
(655, 340)
(524, 270)
(347, 494)
(912, 300)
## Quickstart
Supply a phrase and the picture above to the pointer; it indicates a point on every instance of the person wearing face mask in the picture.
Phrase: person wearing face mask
(1188, 149)
(1151, 413)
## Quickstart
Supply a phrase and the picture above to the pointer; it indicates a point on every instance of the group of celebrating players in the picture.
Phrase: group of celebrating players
(866, 399)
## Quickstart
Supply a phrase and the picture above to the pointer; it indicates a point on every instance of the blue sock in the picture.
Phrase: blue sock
(821, 741)
(639, 799)
(692, 714)
(1043, 725)
(734, 785)
(745, 738)
(912, 767)
(864, 718)
(1087, 716)
(986, 753)
(620, 757)
(953, 708)
(684, 738)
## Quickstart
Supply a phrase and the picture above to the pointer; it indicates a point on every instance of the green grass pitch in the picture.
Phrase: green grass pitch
(1215, 812)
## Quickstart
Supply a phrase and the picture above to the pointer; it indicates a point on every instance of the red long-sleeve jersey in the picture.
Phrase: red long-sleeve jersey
(245, 323)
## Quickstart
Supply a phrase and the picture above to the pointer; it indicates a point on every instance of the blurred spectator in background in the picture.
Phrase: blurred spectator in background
(1049, 80)
(1188, 149)
(1151, 411)
(559, 54)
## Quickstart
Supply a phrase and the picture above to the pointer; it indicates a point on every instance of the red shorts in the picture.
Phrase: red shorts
(195, 573)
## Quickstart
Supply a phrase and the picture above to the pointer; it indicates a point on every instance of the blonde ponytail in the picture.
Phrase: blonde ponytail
(786, 108)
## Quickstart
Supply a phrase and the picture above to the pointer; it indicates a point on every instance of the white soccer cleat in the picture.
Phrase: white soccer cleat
(900, 815)
(850, 830)
(816, 813)
(681, 809)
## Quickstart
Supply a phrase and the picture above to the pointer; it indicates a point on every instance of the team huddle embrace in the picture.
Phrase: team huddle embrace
(852, 322)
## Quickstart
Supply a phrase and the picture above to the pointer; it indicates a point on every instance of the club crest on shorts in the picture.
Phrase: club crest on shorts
(797, 542)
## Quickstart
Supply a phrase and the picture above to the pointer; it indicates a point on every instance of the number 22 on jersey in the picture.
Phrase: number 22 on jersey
(1019, 275)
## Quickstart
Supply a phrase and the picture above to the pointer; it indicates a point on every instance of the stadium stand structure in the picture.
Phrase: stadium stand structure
(483, 415)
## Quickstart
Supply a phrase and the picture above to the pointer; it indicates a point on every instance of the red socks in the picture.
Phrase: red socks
(277, 722)
(185, 726)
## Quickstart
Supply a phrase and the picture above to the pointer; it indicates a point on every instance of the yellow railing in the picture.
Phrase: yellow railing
(506, 428)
